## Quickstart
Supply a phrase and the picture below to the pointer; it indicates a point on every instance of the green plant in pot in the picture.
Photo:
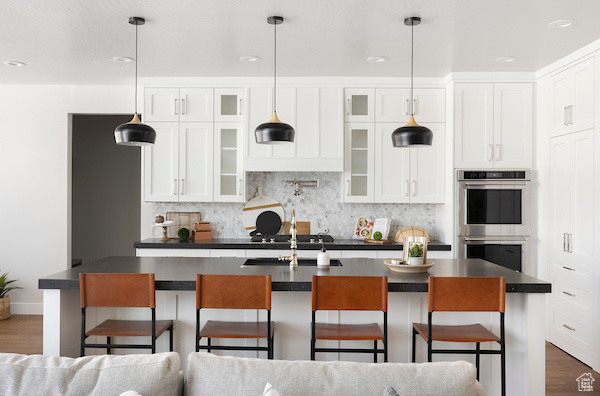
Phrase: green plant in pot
(415, 254)
(4, 298)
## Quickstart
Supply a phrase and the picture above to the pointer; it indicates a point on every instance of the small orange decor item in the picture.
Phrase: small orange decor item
(202, 226)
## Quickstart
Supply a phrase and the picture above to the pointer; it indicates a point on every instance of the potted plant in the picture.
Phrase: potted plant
(4, 298)
(415, 254)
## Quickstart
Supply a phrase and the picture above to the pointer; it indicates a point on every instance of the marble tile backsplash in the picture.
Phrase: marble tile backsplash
(321, 206)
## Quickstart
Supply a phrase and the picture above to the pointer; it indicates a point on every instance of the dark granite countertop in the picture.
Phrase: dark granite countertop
(244, 243)
(179, 273)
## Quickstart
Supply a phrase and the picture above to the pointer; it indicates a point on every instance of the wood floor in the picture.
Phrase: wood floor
(23, 334)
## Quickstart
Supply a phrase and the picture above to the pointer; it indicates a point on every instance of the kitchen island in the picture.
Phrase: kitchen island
(291, 310)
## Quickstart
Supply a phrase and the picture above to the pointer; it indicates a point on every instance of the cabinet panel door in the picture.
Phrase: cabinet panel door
(196, 104)
(392, 167)
(429, 105)
(307, 124)
(260, 101)
(196, 162)
(582, 201)
(513, 125)
(360, 106)
(583, 96)
(358, 162)
(563, 97)
(561, 182)
(392, 105)
(474, 122)
(229, 104)
(161, 104)
(228, 167)
(331, 123)
(286, 112)
(161, 175)
(427, 168)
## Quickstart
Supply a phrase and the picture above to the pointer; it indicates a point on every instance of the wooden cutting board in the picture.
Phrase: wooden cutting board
(302, 227)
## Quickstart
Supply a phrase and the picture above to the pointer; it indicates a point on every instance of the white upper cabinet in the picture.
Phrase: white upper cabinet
(393, 105)
(315, 113)
(229, 104)
(178, 104)
(409, 175)
(359, 104)
(574, 98)
(493, 125)
(179, 167)
(359, 171)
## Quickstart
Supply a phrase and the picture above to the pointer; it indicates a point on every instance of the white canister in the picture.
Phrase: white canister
(323, 259)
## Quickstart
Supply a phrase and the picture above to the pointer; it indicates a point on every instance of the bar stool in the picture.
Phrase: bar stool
(349, 293)
(234, 292)
(122, 291)
(465, 295)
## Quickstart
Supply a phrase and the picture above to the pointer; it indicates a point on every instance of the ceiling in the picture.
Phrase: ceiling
(74, 41)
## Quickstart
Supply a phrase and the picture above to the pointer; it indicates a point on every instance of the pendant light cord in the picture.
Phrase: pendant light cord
(412, 60)
(136, 65)
(275, 69)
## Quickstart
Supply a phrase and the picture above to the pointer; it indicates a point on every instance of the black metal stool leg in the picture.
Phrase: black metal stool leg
(414, 353)
(477, 354)
(108, 350)
(375, 351)
(171, 338)
(208, 344)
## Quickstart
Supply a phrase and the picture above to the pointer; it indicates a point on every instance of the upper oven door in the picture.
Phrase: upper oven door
(494, 207)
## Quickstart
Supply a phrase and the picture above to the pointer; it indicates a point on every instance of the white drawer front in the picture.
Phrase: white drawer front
(571, 330)
(562, 268)
(575, 297)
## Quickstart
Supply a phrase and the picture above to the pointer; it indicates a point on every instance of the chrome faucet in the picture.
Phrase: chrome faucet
(293, 257)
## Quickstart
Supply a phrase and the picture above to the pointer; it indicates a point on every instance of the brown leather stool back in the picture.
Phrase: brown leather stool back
(356, 293)
(117, 290)
(233, 291)
(467, 294)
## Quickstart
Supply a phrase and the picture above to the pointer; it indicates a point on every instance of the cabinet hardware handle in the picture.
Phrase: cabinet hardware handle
(568, 327)
(182, 186)
(414, 187)
(569, 294)
(183, 107)
(564, 241)
(406, 107)
(174, 186)
(490, 155)
(566, 119)
(406, 188)
(176, 107)
(569, 269)
(240, 187)
(348, 109)
(348, 187)
(414, 106)
(240, 107)
(497, 152)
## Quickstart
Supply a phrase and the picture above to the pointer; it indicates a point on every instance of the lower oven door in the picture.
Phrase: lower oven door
(510, 252)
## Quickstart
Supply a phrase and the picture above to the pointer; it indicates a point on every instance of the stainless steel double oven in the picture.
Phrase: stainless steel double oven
(494, 217)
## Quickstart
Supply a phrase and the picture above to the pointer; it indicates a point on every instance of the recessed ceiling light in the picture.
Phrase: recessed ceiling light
(249, 58)
(562, 23)
(14, 63)
(123, 59)
(377, 59)
(506, 59)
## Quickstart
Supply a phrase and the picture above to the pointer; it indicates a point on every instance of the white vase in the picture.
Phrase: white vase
(415, 261)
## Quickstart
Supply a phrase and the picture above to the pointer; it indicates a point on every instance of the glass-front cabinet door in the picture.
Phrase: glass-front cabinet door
(360, 104)
(229, 104)
(228, 156)
(358, 163)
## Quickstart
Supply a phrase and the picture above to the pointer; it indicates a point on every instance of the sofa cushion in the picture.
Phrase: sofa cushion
(208, 374)
(157, 374)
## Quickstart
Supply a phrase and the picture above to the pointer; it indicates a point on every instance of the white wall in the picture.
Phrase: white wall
(35, 178)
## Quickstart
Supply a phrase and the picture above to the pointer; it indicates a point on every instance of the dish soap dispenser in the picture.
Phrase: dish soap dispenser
(323, 258)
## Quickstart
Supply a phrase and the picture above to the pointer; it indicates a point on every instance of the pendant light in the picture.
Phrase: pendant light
(412, 134)
(274, 131)
(134, 133)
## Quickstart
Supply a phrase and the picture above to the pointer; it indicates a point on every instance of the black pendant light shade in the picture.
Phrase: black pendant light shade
(412, 134)
(274, 131)
(134, 133)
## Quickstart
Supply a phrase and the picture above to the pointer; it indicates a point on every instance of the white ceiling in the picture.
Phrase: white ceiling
(73, 41)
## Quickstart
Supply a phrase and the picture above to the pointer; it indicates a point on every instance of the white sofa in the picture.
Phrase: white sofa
(208, 374)
(149, 375)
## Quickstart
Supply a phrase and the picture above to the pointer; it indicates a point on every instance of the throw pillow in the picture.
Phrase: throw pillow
(389, 391)
(270, 390)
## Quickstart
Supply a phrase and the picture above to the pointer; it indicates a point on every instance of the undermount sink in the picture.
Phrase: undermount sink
(301, 262)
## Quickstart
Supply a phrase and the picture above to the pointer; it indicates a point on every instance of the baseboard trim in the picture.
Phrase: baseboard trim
(26, 308)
